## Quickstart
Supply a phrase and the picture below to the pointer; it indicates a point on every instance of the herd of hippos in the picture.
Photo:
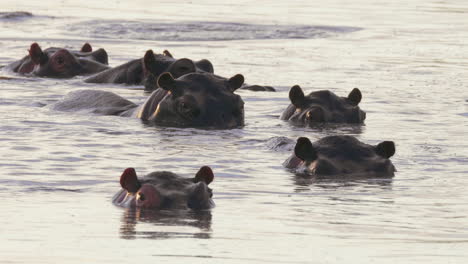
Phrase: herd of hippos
(186, 93)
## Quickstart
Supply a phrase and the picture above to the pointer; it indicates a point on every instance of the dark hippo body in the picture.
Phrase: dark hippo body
(165, 190)
(323, 107)
(193, 100)
(258, 88)
(61, 63)
(147, 70)
(342, 156)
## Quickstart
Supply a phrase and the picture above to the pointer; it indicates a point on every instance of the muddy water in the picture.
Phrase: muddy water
(60, 170)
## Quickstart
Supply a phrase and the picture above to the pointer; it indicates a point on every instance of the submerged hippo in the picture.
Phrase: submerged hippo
(193, 100)
(61, 63)
(147, 70)
(323, 107)
(165, 190)
(342, 156)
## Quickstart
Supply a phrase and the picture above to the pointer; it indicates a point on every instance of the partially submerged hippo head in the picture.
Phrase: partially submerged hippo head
(195, 100)
(342, 156)
(63, 63)
(155, 65)
(323, 107)
(165, 190)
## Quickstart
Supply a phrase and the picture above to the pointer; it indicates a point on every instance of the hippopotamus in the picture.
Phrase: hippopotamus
(323, 107)
(61, 63)
(164, 190)
(342, 156)
(258, 88)
(193, 100)
(146, 70)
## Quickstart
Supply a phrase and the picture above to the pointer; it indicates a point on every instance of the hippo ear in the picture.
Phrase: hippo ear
(385, 149)
(205, 174)
(149, 62)
(181, 67)
(355, 96)
(205, 65)
(86, 48)
(129, 180)
(167, 82)
(36, 54)
(296, 95)
(304, 150)
(235, 82)
(167, 54)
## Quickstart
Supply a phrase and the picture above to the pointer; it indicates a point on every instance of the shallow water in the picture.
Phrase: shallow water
(60, 170)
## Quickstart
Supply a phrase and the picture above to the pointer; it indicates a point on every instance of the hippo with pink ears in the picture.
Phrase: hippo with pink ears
(163, 190)
(60, 62)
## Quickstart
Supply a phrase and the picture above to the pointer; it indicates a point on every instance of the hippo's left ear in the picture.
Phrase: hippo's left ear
(385, 149)
(167, 82)
(86, 48)
(304, 150)
(204, 174)
(129, 180)
(355, 96)
(296, 95)
(235, 82)
(149, 62)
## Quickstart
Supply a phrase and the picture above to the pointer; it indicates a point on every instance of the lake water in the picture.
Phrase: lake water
(409, 59)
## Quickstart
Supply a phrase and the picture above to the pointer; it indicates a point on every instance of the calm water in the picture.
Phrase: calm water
(409, 58)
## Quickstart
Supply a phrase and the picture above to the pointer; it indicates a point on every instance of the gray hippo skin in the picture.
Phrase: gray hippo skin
(164, 190)
(342, 156)
(323, 107)
(199, 100)
(147, 70)
(61, 63)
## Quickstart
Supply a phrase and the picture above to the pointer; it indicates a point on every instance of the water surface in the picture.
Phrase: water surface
(60, 170)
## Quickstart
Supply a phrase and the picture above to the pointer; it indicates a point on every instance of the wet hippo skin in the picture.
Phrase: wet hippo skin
(323, 107)
(342, 156)
(165, 190)
(194, 100)
(61, 63)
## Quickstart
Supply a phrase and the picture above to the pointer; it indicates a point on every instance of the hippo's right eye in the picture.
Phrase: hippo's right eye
(60, 60)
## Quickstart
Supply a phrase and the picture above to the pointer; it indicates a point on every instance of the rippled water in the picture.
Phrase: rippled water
(60, 170)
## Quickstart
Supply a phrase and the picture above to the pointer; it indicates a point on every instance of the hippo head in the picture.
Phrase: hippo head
(324, 107)
(196, 100)
(342, 155)
(155, 65)
(165, 190)
(62, 63)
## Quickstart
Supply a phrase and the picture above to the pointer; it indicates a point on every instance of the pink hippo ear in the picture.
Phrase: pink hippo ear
(36, 54)
(86, 48)
(204, 174)
(129, 180)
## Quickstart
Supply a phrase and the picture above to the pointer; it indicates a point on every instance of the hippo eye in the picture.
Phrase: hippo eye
(183, 105)
(141, 197)
(60, 60)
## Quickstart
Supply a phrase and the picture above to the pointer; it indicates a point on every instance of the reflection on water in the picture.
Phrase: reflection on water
(304, 182)
(59, 170)
(163, 220)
